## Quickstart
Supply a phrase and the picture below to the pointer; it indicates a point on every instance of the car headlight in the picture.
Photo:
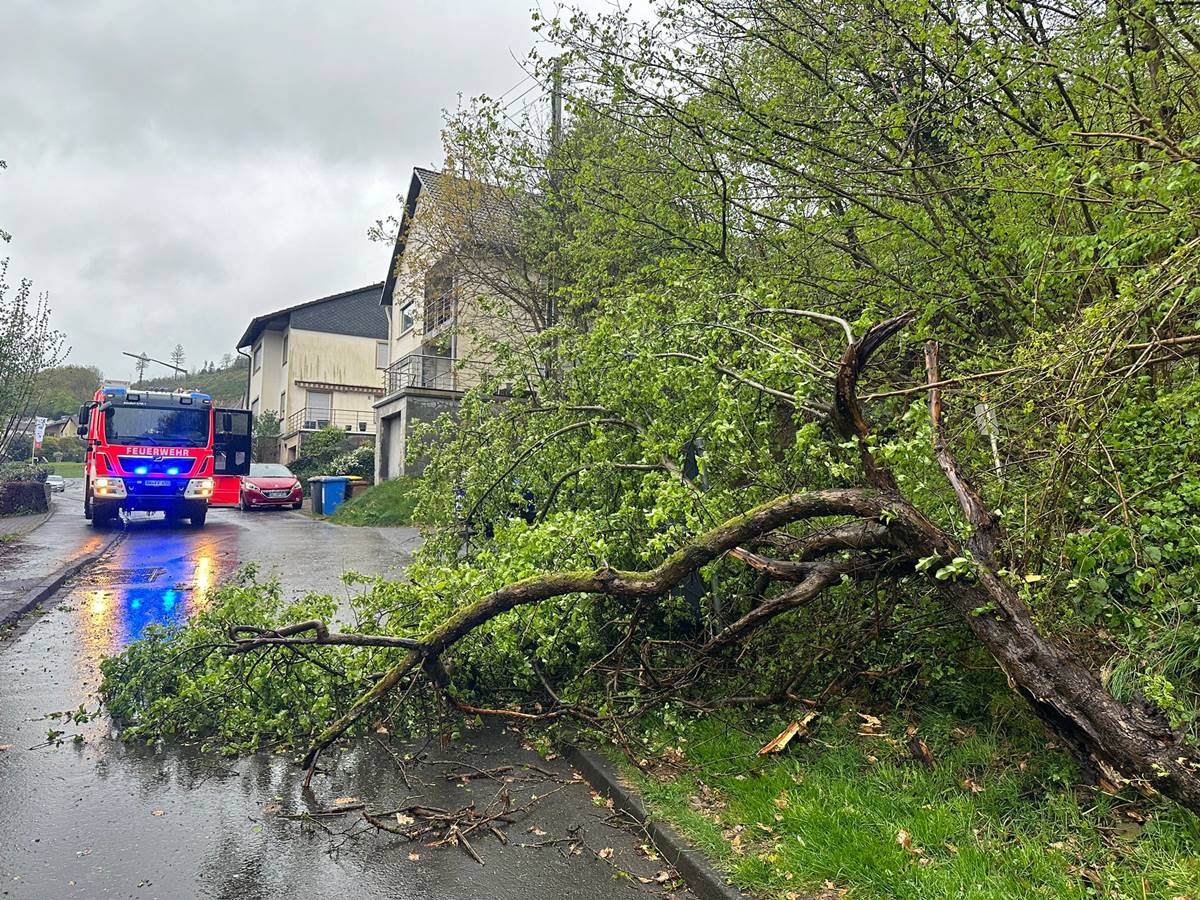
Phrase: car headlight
(113, 488)
(198, 489)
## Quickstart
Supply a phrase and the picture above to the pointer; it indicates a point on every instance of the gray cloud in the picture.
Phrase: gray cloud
(176, 168)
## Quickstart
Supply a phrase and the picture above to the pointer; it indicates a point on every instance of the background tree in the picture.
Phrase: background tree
(266, 436)
(28, 346)
(61, 390)
(177, 358)
(140, 366)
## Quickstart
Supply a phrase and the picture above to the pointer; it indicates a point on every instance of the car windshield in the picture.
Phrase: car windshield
(156, 426)
(269, 470)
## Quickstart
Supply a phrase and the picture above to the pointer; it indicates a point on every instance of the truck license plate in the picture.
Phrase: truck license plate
(157, 482)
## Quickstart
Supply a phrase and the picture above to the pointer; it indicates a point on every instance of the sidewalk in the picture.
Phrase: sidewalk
(13, 527)
(48, 544)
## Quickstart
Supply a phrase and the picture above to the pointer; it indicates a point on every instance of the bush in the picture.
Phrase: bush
(23, 471)
(63, 449)
(20, 447)
(321, 451)
(18, 497)
(360, 461)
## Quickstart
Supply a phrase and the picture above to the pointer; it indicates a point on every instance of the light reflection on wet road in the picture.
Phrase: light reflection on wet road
(100, 818)
(157, 575)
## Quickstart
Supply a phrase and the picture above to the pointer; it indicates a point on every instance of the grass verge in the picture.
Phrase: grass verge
(849, 811)
(388, 503)
(66, 469)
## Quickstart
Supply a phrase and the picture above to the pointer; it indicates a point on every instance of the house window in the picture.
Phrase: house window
(285, 348)
(283, 404)
(406, 317)
(381, 355)
(258, 357)
(318, 409)
(439, 297)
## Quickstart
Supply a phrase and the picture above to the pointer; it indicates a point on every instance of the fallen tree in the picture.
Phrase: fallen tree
(884, 531)
(716, 523)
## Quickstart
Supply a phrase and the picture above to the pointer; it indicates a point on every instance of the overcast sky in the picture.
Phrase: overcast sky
(175, 168)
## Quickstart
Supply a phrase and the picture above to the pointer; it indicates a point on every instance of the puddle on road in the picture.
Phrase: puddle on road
(177, 572)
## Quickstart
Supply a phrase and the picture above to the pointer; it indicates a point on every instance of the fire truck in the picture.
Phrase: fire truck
(158, 451)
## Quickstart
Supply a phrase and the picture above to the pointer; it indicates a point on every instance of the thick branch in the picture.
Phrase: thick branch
(969, 501)
(802, 550)
(847, 415)
(247, 637)
(707, 547)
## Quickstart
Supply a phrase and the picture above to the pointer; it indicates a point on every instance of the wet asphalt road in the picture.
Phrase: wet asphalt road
(99, 818)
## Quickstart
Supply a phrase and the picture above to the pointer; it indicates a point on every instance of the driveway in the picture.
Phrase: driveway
(99, 818)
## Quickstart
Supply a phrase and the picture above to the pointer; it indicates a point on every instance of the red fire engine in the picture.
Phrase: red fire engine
(157, 451)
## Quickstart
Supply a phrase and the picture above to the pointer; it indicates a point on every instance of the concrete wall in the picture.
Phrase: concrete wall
(398, 417)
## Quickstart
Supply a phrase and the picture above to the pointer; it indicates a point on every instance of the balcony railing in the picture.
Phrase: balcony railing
(354, 421)
(422, 370)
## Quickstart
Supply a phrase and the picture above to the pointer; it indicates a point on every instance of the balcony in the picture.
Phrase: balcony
(420, 370)
(354, 421)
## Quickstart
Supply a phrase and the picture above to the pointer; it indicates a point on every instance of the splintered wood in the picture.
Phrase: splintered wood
(780, 742)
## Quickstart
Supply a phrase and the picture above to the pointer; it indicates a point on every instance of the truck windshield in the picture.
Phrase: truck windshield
(156, 427)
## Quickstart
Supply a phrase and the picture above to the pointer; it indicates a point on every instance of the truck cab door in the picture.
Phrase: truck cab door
(232, 436)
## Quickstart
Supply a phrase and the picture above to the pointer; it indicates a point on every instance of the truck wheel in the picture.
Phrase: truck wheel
(101, 516)
(87, 506)
(198, 516)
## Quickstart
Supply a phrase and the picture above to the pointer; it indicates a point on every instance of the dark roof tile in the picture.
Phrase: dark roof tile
(355, 313)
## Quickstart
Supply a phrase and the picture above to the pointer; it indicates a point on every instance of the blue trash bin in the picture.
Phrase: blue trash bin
(333, 493)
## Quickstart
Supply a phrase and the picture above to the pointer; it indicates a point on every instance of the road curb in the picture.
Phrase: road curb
(704, 880)
(50, 585)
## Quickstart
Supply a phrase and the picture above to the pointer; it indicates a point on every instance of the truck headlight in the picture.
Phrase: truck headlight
(198, 488)
(113, 488)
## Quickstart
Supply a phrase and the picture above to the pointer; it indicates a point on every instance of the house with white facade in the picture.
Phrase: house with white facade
(453, 288)
(319, 364)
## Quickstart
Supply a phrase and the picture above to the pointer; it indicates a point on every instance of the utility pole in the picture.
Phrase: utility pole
(556, 98)
(556, 105)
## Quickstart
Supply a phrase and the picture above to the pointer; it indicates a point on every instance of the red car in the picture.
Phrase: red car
(271, 484)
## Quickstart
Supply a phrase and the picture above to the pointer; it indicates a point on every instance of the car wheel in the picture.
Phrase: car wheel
(243, 505)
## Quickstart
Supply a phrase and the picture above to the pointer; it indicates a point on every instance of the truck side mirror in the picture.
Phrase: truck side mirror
(82, 431)
(85, 416)
(227, 423)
